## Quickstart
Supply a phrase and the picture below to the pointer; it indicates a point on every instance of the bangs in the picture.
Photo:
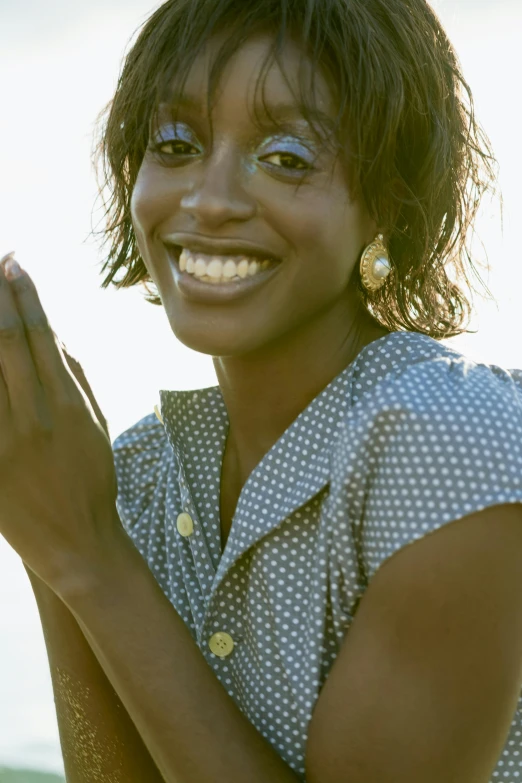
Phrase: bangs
(187, 41)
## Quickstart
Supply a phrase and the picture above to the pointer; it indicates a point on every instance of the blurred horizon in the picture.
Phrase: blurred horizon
(59, 64)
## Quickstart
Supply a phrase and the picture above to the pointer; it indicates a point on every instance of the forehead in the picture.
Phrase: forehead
(253, 75)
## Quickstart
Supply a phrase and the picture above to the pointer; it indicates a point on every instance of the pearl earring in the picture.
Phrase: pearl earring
(375, 264)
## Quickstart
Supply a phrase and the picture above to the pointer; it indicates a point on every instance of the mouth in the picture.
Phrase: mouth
(222, 268)
(219, 277)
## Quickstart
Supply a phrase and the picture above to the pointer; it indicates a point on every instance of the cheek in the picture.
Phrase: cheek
(321, 221)
(150, 204)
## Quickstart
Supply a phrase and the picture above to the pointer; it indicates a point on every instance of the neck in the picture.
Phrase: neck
(266, 390)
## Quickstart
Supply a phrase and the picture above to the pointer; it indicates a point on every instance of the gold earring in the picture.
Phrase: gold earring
(375, 265)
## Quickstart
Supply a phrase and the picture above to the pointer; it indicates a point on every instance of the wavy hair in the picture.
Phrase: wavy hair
(415, 153)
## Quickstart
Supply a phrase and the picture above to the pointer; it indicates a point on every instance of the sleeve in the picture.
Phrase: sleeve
(139, 467)
(440, 442)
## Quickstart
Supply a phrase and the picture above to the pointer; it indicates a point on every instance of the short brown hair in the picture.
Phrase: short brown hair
(415, 153)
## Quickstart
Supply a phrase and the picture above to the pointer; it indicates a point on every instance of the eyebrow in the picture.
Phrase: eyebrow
(279, 111)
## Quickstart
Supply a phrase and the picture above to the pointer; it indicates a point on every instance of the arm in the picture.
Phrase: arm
(426, 685)
(192, 728)
(100, 743)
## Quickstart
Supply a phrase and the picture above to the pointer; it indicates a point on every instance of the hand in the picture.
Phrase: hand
(57, 479)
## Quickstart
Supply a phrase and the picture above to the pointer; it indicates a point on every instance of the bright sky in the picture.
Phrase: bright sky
(59, 63)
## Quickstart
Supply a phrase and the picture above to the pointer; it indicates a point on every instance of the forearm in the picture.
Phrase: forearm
(192, 728)
(100, 743)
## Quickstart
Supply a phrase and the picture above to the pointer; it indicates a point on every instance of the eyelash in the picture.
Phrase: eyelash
(306, 166)
(175, 142)
(303, 165)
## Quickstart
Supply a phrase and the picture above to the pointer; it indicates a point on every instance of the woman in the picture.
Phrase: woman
(261, 581)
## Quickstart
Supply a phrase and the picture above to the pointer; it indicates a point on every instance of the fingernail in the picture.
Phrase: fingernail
(12, 269)
(7, 257)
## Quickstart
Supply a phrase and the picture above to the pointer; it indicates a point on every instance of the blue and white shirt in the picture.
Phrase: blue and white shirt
(409, 437)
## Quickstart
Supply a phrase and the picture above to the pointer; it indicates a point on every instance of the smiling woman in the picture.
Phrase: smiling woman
(379, 125)
(295, 582)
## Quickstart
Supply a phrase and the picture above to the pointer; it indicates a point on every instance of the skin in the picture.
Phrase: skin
(427, 681)
(276, 349)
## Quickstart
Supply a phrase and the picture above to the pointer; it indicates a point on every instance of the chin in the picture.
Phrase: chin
(214, 340)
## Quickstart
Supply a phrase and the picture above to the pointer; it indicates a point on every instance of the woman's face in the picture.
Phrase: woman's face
(235, 197)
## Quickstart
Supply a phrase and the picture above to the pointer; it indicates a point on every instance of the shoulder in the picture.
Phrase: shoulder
(410, 374)
(437, 438)
(421, 406)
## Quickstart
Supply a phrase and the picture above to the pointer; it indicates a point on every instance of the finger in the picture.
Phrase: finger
(77, 371)
(47, 358)
(22, 390)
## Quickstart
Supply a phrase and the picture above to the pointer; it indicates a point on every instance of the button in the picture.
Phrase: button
(221, 644)
(185, 525)
(158, 414)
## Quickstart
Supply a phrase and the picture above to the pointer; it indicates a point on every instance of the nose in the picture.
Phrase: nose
(217, 194)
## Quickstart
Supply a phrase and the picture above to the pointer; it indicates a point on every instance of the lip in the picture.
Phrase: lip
(197, 243)
(211, 293)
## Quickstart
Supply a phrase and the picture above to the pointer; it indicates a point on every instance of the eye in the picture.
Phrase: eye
(174, 140)
(286, 160)
(174, 147)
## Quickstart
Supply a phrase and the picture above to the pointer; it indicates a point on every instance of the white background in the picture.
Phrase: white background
(59, 62)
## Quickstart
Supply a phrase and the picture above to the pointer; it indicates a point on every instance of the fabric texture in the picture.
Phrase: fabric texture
(409, 437)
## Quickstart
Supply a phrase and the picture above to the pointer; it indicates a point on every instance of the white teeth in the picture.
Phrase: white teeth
(216, 270)
(242, 268)
(201, 268)
(230, 269)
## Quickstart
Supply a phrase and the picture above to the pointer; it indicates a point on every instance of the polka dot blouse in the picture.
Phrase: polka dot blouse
(409, 437)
